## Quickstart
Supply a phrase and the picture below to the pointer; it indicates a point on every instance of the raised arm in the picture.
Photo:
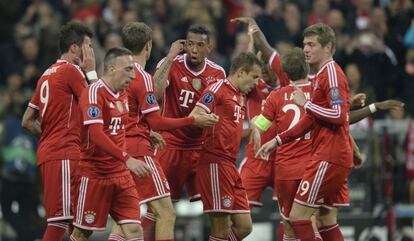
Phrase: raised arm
(161, 74)
(260, 41)
(357, 115)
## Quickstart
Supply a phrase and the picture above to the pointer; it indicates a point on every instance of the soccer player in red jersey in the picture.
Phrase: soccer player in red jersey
(179, 81)
(53, 116)
(256, 173)
(143, 117)
(280, 110)
(222, 193)
(324, 181)
(105, 184)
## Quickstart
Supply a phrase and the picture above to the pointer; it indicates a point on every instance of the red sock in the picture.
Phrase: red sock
(115, 237)
(331, 233)
(280, 231)
(233, 236)
(303, 230)
(148, 224)
(211, 238)
(55, 231)
(318, 237)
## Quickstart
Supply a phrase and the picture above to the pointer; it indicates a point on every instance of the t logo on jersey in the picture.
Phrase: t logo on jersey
(186, 97)
(237, 113)
(115, 125)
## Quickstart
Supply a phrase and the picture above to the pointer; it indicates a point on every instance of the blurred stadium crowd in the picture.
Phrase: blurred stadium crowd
(375, 47)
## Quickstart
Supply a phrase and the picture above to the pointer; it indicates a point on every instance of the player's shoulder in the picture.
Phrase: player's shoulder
(332, 73)
(213, 67)
(217, 85)
(93, 91)
(71, 69)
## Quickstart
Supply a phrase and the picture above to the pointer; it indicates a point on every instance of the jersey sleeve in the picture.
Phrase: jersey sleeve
(269, 109)
(91, 105)
(34, 101)
(335, 92)
(144, 92)
(276, 65)
(75, 79)
(209, 97)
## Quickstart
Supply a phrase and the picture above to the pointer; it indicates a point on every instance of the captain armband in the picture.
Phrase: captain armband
(262, 123)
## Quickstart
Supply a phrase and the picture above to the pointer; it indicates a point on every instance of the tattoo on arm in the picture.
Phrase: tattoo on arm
(160, 77)
(262, 45)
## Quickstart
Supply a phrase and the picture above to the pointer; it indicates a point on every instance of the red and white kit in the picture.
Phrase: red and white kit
(217, 178)
(184, 145)
(258, 174)
(324, 181)
(56, 98)
(293, 157)
(105, 186)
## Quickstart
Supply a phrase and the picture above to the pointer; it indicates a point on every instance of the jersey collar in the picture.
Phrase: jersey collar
(188, 68)
(324, 66)
(116, 95)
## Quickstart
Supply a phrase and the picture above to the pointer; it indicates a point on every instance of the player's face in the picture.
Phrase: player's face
(315, 54)
(123, 72)
(269, 76)
(249, 80)
(197, 48)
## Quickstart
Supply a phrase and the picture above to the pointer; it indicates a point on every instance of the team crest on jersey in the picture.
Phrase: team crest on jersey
(227, 201)
(150, 99)
(119, 106)
(208, 98)
(196, 83)
(90, 217)
(209, 80)
(93, 112)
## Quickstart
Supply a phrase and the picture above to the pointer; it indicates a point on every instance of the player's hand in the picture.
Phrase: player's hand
(157, 141)
(88, 58)
(176, 48)
(204, 120)
(138, 167)
(255, 138)
(243, 20)
(389, 104)
(358, 100)
(298, 96)
(267, 148)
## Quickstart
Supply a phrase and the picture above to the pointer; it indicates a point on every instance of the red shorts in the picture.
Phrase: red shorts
(322, 185)
(286, 196)
(257, 174)
(180, 167)
(58, 187)
(151, 187)
(221, 188)
(98, 197)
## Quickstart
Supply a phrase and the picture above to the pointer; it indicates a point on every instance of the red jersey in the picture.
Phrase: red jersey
(56, 97)
(184, 89)
(255, 102)
(101, 105)
(141, 101)
(276, 65)
(293, 157)
(223, 139)
(328, 113)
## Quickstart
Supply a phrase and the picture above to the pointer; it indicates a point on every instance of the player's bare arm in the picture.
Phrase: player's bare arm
(31, 121)
(357, 115)
(202, 118)
(357, 156)
(160, 75)
(260, 41)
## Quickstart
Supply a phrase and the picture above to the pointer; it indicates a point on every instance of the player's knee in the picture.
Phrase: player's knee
(243, 228)
(81, 234)
(220, 226)
(166, 215)
(327, 218)
(132, 230)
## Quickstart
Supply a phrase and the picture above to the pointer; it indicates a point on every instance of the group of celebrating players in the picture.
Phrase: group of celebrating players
(100, 152)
